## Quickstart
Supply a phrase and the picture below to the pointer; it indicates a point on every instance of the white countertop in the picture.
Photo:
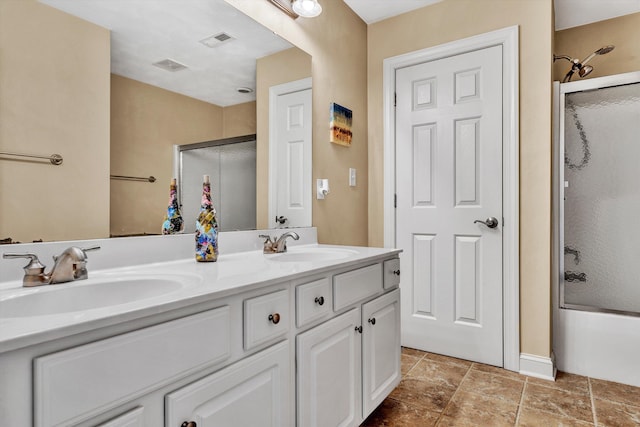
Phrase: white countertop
(203, 282)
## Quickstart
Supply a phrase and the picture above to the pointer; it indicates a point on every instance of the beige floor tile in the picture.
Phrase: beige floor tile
(407, 362)
(439, 373)
(564, 381)
(622, 393)
(498, 371)
(393, 413)
(559, 402)
(491, 385)
(447, 359)
(422, 394)
(413, 352)
(532, 418)
(612, 414)
(469, 409)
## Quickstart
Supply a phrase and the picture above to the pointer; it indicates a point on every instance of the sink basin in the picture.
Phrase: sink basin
(312, 255)
(85, 295)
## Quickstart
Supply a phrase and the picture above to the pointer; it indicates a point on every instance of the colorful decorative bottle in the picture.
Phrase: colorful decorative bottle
(206, 227)
(173, 222)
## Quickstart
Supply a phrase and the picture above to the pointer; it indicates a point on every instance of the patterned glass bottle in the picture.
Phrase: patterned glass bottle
(173, 222)
(206, 227)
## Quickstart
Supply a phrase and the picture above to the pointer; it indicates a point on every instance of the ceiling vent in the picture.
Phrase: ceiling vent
(170, 65)
(216, 40)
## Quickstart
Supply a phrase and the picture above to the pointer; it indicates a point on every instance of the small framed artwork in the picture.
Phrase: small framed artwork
(340, 125)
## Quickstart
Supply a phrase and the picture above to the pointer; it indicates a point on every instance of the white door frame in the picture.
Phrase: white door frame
(508, 38)
(274, 92)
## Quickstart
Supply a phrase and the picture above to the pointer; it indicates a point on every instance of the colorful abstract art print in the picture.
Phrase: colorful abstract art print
(340, 123)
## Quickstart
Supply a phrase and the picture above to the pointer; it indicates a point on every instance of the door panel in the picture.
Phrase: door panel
(293, 136)
(449, 174)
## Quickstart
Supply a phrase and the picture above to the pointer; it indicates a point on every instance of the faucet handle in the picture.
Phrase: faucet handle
(33, 263)
(266, 237)
(33, 271)
(92, 248)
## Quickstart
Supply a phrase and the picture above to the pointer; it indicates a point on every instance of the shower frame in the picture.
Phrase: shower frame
(561, 90)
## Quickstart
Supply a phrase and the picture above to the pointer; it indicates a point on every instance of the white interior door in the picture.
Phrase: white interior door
(292, 162)
(448, 175)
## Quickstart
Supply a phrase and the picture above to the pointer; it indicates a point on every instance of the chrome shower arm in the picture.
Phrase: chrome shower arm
(568, 58)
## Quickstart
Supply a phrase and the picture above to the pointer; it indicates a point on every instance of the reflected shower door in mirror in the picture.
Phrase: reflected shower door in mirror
(94, 90)
(231, 166)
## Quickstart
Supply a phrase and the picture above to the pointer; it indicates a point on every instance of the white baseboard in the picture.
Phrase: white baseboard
(538, 367)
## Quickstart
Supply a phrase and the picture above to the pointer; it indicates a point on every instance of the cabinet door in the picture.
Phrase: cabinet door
(380, 349)
(253, 392)
(329, 377)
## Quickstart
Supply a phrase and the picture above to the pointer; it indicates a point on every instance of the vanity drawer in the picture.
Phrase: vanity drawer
(313, 301)
(391, 273)
(266, 318)
(76, 384)
(353, 286)
(133, 418)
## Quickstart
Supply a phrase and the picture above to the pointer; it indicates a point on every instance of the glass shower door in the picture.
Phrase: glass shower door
(602, 199)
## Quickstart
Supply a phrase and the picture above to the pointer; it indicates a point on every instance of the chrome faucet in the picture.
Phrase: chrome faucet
(70, 265)
(279, 245)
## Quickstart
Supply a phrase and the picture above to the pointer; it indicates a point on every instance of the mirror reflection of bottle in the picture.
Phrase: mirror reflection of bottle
(173, 222)
(206, 226)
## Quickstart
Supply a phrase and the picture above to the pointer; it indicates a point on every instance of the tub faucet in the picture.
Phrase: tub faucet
(279, 245)
(70, 265)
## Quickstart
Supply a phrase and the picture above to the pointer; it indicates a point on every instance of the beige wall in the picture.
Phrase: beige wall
(282, 67)
(54, 98)
(452, 20)
(146, 122)
(622, 32)
(337, 42)
(239, 120)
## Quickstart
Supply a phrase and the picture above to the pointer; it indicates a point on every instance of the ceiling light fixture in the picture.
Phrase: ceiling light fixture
(307, 8)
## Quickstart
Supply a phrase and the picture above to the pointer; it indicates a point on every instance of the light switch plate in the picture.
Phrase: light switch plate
(352, 177)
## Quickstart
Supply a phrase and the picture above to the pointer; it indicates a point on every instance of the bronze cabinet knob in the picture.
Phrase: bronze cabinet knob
(189, 424)
(274, 318)
(319, 300)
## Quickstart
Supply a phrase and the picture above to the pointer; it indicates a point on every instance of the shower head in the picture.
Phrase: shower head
(585, 70)
(605, 49)
(580, 66)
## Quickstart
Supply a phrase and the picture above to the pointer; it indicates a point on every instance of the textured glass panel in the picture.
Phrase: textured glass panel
(232, 169)
(602, 198)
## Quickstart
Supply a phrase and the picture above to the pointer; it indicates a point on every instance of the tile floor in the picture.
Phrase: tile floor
(442, 391)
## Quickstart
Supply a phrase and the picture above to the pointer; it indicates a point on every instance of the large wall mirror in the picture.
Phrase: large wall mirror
(103, 83)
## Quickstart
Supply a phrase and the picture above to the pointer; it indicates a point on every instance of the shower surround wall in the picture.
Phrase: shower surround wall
(602, 199)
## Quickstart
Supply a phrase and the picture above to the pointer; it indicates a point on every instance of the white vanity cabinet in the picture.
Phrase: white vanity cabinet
(348, 365)
(311, 349)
